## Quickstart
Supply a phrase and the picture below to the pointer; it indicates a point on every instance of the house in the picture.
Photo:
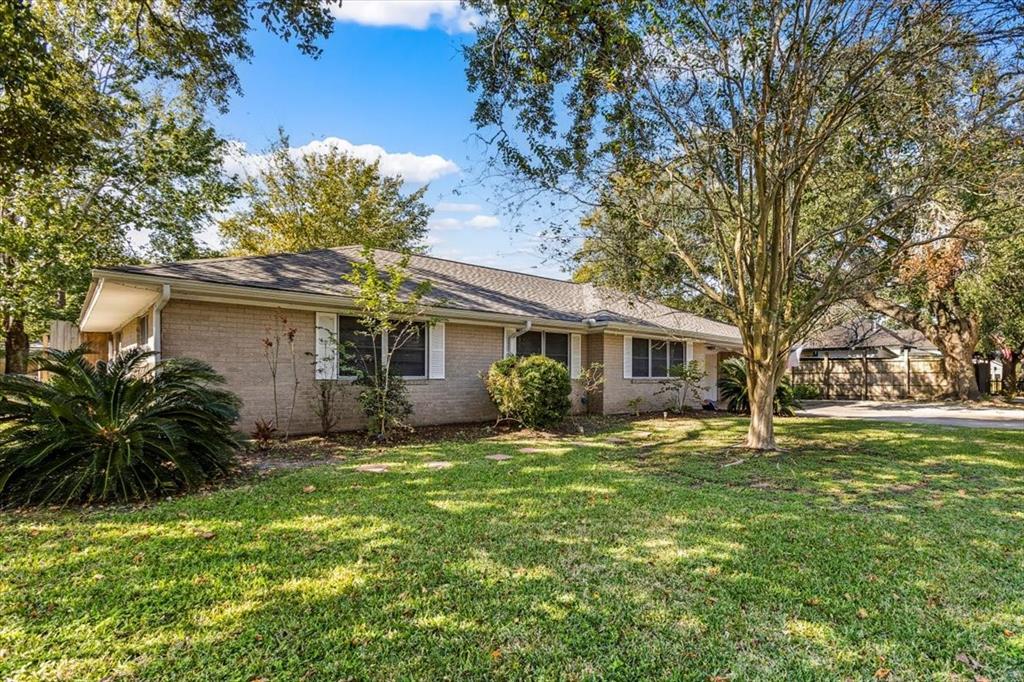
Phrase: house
(866, 337)
(219, 310)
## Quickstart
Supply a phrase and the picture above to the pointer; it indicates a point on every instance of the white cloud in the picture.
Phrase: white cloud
(457, 207)
(477, 222)
(448, 15)
(410, 167)
(483, 222)
(445, 223)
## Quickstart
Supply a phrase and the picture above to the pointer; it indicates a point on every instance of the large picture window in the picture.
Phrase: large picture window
(550, 344)
(364, 354)
(655, 359)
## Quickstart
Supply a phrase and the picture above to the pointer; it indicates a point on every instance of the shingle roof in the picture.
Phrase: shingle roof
(866, 333)
(453, 284)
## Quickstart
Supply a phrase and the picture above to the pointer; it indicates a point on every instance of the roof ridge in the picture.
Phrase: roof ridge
(474, 265)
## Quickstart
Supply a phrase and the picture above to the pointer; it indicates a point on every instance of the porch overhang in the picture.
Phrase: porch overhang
(110, 304)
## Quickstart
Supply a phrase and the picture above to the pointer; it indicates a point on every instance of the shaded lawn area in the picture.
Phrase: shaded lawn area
(866, 549)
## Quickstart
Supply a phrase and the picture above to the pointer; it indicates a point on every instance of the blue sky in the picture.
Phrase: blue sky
(390, 84)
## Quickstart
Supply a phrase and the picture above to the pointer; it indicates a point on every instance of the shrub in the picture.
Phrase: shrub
(117, 430)
(384, 398)
(732, 385)
(533, 391)
(806, 392)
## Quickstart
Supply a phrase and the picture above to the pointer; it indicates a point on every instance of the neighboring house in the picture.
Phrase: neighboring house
(866, 337)
(219, 310)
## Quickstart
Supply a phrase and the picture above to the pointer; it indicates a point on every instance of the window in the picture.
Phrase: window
(530, 343)
(362, 352)
(142, 331)
(549, 344)
(411, 359)
(653, 358)
(641, 357)
(556, 347)
(358, 347)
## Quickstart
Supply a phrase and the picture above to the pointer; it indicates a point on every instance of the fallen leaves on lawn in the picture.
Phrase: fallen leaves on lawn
(207, 535)
(882, 673)
(862, 613)
(309, 489)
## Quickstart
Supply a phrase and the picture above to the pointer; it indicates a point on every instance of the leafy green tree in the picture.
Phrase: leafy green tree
(321, 201)
(52, 88)
(707, 129)
(49, 106)
(389, 310)
(162, 179)
(82, 79)
(994, 289)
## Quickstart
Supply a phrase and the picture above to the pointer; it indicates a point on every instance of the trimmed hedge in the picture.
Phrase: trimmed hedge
(533, 391)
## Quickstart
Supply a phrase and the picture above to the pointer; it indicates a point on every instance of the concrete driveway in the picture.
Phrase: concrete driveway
(943, 414)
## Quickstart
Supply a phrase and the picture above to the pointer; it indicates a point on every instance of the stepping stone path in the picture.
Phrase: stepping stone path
(373, 468)
(616, 441)
(498, 457)
(529, 451)
(642, 434)
(438, 465)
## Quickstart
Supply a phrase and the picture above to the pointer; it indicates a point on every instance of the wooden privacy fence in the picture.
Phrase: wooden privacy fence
(872, 378)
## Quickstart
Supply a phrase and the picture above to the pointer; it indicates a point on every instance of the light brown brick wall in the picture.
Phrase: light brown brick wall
(229, 337)
(618, 391)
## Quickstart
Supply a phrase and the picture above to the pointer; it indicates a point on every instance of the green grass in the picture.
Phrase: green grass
(864, 546)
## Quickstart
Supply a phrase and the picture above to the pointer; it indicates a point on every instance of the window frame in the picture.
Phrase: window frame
(544, 345)
(383, 345)
(651, 343)
(142, 330)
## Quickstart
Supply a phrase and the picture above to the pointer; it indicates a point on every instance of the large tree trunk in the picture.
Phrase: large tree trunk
(15, 347)
(761, 383)
(1011, 361)
(958, 366)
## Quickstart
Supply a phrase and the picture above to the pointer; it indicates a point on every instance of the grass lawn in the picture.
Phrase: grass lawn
(866, 550)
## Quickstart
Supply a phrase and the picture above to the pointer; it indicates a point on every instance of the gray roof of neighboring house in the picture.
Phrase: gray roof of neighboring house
(453, 284)
(866, 333)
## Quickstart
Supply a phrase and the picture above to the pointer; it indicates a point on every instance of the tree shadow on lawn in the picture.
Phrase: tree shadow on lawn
(580, 560)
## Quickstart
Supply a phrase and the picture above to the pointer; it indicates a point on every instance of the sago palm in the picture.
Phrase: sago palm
(732, 387)
(119, 430)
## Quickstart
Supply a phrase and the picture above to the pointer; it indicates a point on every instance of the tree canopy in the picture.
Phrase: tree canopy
(103, 141)
(323, 200)
(770, 152)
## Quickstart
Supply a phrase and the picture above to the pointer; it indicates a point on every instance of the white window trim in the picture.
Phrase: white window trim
(687, 355)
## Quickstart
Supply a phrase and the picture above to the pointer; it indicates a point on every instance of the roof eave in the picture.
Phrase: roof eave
(242, 294)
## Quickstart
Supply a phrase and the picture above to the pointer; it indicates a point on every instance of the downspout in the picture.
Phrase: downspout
(516, 335)
(165, 295)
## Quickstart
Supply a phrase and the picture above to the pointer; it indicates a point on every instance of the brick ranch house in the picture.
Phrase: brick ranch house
(219, 310)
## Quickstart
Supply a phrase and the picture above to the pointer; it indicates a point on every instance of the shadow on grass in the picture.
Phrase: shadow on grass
(863, 546)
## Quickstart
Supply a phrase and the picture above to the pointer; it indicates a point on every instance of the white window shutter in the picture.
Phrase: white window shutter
(510, 342)
(627, 357)
(575, 355)
(689, 352)
(435, 344)
(326, 346)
